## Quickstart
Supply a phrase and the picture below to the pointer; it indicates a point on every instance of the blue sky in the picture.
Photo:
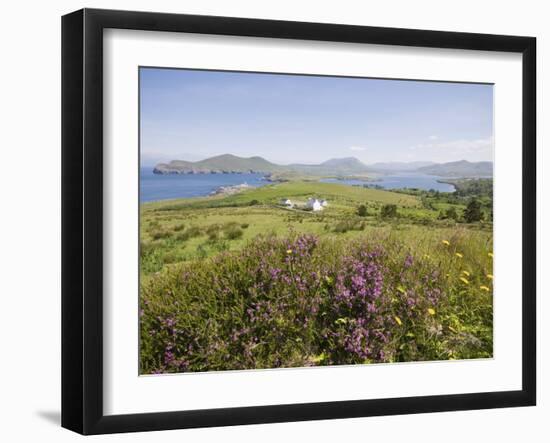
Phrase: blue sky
(193, 114)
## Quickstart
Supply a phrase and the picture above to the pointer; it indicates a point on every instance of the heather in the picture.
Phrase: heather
(311, 299)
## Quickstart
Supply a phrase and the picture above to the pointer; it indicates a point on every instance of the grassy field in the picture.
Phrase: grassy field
(220, 289)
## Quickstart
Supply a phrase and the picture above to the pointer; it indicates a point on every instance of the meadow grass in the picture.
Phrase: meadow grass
(220, 290)
(301, 300)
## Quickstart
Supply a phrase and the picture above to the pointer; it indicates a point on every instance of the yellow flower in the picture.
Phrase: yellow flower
(400, 289)
(431, 311)
(289, 251)
(426, 256)
(490, 254)
(466, 273)
(446, 242)
(398, 320)
(484, 288)
(459, 255)
(462, 279)
(490, 276)
(318, 358)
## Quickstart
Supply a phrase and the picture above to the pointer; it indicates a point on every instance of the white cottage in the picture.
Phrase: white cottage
(314, 204)
(287, 202)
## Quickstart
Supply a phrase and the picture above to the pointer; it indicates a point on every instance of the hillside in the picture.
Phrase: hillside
(461, 168)
(226, 163)
(348, 164)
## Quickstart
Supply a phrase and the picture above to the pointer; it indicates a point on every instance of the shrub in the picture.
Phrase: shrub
(212, 229)
(157, 235)
(361, 210)
(193, 231)
(233, 233)
(451, 213)
(349, 225)
(388, 211)
(473, 213)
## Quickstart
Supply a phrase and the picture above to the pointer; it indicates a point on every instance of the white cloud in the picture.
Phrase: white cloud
(358, 148)
(433, 137)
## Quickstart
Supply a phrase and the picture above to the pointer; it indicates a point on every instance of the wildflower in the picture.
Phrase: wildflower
(318, 358)
(464, 280)
(400, 289)
(466, 273)
(426, 256)
(398, 320)
(484, 288)
(459, 255)
(274, 272)
(431, 311)
(446, 242)
(289, 251)
(490, 254)
(490, 276)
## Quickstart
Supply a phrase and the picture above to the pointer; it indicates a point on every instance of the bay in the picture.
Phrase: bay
(400, 181)
(154, 187)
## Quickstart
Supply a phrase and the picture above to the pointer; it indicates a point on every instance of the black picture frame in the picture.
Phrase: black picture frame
(82, 218)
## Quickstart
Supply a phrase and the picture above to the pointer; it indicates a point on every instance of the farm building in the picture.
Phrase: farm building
(287, 202)
(315, 204)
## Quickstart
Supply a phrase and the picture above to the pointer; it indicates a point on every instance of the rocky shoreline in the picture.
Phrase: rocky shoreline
(229, 190)
(165, 170)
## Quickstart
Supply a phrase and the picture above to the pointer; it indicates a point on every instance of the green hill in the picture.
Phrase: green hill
(226, 163)
(338, 196)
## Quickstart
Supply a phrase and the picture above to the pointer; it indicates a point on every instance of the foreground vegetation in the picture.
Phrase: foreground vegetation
(238, 282)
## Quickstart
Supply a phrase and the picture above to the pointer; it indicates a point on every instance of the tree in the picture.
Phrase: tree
(362, 211)
(388, 211)
(473, 213)
(451, 213)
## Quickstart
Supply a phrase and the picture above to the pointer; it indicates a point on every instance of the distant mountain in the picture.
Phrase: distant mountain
(348, 164)
(462, 168)
(226, 163)
(399, 166)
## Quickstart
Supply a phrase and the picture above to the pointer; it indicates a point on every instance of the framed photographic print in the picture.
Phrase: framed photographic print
(269, 221)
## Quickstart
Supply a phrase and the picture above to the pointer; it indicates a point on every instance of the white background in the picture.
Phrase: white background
(30, 219)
